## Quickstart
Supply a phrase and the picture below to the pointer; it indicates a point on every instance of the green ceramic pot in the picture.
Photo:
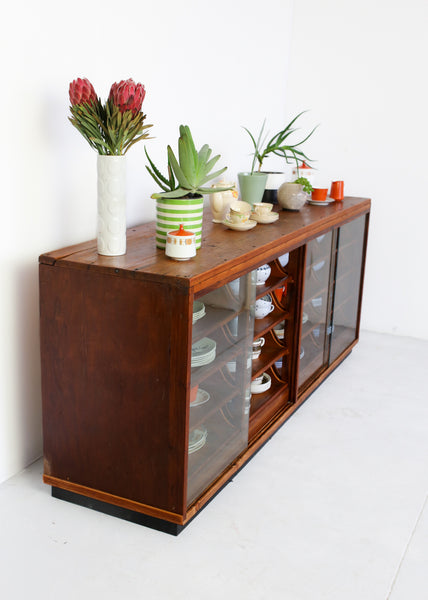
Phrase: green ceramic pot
(252, 186)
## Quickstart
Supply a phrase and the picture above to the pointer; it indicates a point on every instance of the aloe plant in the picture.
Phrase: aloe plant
(278, 144)
(188, 174)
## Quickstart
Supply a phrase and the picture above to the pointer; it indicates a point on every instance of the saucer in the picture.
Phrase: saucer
(240, 226)
(265, 219)
(321, 203)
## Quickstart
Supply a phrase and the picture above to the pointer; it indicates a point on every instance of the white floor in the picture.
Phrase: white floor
(334, 507)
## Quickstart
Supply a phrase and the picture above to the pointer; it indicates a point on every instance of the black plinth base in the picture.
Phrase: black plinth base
(117, 511)
(270, 196)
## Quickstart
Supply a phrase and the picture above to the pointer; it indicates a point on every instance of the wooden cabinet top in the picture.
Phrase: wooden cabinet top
(224, 255)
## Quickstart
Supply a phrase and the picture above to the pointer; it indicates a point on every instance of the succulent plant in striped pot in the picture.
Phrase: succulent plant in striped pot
(182, 198)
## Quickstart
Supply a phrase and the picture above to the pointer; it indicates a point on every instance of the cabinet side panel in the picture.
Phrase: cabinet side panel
(106, 385)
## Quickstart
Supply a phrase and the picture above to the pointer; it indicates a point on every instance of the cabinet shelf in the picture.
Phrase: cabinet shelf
(262, 326)
(213, 319)
(271, 352)
(271, 285)
(222, 390)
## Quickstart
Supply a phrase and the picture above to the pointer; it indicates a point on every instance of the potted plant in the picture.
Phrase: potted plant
(293, 195)
(110, 129)
(181, 199)
(279, 145)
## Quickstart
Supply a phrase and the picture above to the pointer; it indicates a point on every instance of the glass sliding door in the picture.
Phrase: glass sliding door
(222, 336)
(347, 285)
(316, 308)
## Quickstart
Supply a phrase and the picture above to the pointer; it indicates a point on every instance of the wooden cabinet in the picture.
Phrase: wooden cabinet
(147, 362)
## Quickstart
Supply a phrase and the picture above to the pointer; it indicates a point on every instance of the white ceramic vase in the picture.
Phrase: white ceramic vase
(111, 216)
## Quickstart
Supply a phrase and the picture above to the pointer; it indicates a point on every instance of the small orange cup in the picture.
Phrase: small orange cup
(319, 194)
(336, 191)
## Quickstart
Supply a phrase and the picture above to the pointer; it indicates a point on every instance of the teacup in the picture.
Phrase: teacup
(257, 347)
(263, 273)
(262, 208)
(259, 343)
(237, 216)
(319, 194)
(263, 308)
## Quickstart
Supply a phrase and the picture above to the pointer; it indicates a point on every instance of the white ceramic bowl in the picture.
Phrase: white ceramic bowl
(258, 387)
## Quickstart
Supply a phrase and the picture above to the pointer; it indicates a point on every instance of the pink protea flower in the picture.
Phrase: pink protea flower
(127, 95)
(82, 92)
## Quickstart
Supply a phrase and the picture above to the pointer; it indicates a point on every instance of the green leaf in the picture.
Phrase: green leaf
(178, 193)
(187, 160)
(212, 176)
(212, 190)
(178, 172)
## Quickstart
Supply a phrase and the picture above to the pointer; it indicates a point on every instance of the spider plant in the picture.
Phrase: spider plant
(279, 144)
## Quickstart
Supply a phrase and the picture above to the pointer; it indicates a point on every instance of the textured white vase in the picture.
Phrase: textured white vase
(111, 216)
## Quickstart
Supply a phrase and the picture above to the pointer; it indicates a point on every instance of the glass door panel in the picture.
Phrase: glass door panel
(315, 317)
(347, 286)
(222, 336)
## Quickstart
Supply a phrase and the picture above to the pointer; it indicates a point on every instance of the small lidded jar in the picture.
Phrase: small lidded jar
(180, 244)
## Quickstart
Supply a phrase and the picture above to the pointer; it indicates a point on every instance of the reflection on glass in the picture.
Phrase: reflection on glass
(221, 361)
(348, 279)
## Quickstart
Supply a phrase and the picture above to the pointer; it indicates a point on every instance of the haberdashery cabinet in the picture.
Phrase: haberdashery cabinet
(151, 389)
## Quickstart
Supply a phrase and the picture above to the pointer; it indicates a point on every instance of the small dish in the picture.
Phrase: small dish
(240, 226)
(265, 219)
(201, 397)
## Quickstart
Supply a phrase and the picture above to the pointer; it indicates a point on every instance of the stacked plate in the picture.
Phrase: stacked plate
(197, 439)
(203, 352)
(198, 310)
(201, 397)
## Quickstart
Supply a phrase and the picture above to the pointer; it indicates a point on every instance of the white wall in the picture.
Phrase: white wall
(360, 67)
(215, 67)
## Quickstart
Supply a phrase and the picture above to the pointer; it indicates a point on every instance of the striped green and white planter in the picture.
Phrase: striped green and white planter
(170, 213)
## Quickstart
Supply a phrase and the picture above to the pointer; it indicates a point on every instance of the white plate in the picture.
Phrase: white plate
(203, 347)
(198, 310)
(240, 226)
(319, 203)
(203, 352)
(265, 219)
(201, 397)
